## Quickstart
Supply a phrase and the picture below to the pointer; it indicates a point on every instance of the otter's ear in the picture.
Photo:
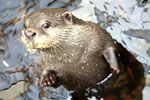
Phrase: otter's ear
(67, 17)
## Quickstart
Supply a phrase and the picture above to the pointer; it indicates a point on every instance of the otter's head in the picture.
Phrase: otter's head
(46, 28)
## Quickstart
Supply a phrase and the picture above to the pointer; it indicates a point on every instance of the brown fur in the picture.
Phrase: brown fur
(81, 53)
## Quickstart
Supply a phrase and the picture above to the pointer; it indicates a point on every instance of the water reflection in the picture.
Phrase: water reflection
(16, 64)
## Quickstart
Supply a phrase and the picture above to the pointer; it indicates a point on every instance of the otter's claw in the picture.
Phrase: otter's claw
(49, 79)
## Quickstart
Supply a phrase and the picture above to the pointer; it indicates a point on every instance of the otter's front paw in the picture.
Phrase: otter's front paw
(49, 79)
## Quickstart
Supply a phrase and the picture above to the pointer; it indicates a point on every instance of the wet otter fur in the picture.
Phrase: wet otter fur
(75, 53)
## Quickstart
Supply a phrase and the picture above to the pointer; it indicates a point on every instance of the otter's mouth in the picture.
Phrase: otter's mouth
(42, 43)
(34, 42)
(28, 43)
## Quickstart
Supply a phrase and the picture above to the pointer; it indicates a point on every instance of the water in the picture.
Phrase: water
(125, 20)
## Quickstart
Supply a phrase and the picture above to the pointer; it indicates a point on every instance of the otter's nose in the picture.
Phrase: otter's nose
(30, 34)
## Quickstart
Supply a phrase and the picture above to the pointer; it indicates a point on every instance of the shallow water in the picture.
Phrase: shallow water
(125, 22)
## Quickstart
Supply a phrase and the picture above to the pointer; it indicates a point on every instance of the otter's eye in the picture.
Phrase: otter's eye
(46, 25)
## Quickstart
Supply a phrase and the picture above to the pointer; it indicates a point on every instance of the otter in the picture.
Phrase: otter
(75, 53)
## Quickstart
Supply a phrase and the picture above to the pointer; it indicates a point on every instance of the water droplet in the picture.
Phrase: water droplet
(94, 90)
(92, 41)
(5, 63)
(99, 75)
(81, 46)
(115, 42)
(70, 60)
(83, 67)
(65, 54)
